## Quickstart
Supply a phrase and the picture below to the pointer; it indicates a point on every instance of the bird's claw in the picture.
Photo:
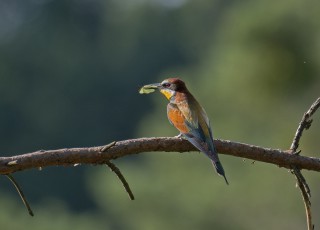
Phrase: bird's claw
(180, 136)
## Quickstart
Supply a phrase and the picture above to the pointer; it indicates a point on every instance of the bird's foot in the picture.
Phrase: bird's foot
(180, 136)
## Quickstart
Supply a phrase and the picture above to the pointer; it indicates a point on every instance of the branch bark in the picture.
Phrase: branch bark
(95, 155)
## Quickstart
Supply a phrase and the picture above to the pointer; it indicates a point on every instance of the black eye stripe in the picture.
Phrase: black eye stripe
(166, 85)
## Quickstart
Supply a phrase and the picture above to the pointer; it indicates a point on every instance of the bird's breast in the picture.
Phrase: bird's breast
(176, 118)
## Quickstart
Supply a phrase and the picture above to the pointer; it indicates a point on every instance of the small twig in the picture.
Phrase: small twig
(304, 124)
(19, 190)
(302, 181)
(108, 146)
(125, 184)
(117, 171)
(306, 199)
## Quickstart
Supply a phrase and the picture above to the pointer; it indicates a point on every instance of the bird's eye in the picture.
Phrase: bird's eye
(166, 85)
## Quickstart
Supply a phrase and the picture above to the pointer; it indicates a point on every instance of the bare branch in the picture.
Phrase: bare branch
(304, 124)
(19, 190)
(93, 155)
(125, 184)
(305, 192)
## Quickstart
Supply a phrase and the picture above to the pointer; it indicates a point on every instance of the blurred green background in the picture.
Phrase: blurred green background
(69, 77)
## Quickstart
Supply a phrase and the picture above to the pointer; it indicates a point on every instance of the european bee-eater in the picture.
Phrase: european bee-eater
(187, 115)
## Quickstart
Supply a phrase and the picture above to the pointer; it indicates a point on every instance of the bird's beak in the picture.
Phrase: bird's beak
(149, 88)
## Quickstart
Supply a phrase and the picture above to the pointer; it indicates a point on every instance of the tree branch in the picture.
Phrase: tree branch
(125, 184)
(104, 154)
(21, 194)
(94, 155)
(304, 124)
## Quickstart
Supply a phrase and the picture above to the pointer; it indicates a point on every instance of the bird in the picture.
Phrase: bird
(189, 117)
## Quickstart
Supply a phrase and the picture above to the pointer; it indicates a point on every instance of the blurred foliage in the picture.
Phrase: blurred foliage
(69, 76)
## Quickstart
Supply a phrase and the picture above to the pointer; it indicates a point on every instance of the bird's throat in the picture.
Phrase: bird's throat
(168, 94)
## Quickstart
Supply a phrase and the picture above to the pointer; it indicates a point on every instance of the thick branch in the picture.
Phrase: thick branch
(95, 155)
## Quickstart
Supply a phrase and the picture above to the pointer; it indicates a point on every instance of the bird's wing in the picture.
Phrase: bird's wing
(189, 113)
(186, 119)
(199, 134)
(196, 119)
(192, 121)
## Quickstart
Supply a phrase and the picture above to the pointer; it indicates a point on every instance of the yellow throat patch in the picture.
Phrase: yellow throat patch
(167, 93)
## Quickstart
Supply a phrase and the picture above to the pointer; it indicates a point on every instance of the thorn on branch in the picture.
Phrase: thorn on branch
(297, 152)
(19, 190)
(108, 146)
(125, 184)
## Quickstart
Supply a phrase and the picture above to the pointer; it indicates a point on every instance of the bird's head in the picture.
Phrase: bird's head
(168, 87)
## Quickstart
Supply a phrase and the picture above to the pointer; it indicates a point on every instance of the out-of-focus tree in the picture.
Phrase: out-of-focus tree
(71, 66)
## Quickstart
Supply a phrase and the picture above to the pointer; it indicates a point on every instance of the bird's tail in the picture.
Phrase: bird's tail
(210, 151)
(220, 170)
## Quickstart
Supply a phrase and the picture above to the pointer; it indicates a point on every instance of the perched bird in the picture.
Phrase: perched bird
(186, 114)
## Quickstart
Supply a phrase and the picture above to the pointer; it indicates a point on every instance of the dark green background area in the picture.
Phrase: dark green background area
(70, 72)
